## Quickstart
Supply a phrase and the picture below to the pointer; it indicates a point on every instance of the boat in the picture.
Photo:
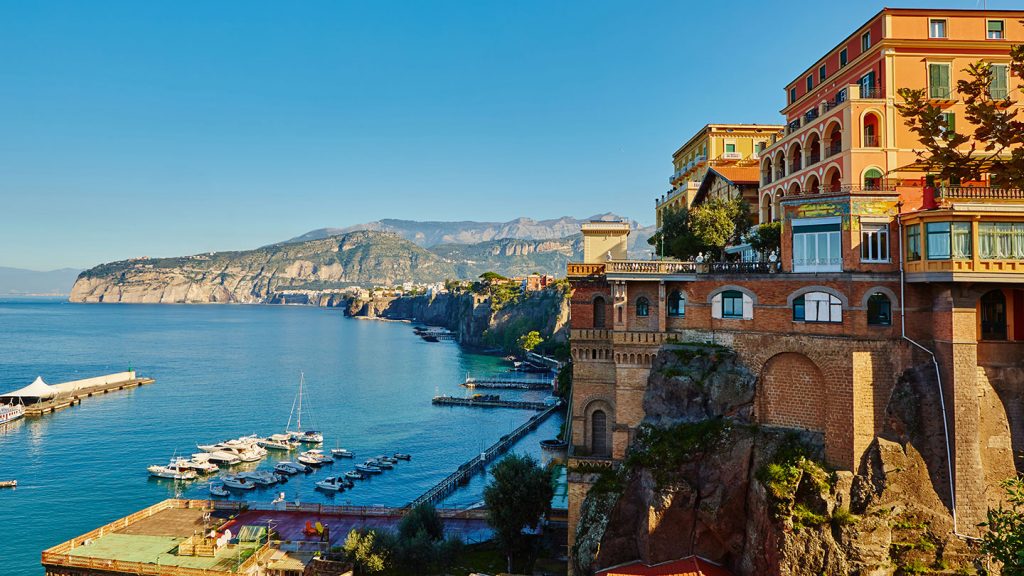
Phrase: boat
(388, 459)
(9, 484)
(291, 468)
(300, 435)
(342, 453)
(271, 443)
(200, 466)
(380, 464)
(331, 484)
(219, 457)
(315, 458)
(237, 483)
(401, 456)
(172, 471)
(353, 475)
(219, 490)
(368, 468)
(11, 412)
(260, 477)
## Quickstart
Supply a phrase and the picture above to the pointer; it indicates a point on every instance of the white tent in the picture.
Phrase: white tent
(37, 391)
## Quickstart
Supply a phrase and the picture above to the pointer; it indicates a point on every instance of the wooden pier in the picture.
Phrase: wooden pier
(66, 399)
(479, 462)
(489, 403)
(509, 382)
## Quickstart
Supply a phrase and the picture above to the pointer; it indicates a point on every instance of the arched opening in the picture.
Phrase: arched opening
(766, 171)
(676, 304)
(599, 312)
(780, 165)
(599, 433)
(833, 180)
(814, 149)
(643, 307)
(792, 393)
(873, 179)
(796, 158)
(766, 208)
(993, 315)
(879, 310)
(833, 139)
(777, 205)
(794, 189)
(870, 135)
(813, 186)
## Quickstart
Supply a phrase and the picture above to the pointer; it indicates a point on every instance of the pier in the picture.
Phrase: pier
(72, 393)
(489, 402)
(510, 382)
(479, 462)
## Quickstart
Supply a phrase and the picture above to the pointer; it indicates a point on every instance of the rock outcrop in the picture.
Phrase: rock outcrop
(702, 479)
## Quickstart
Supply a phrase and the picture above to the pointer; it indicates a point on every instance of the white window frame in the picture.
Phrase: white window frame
(832, 239)
(1002, 31)
(865, 41)
(881, 248)
(931, 30)
(822, 308)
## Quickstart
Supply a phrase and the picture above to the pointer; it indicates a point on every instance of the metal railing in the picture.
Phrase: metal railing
(649, 267)
(870, 141)
(871, 92)
(793, 126)
(980, 193)
(744, 267)
(810, 115)
(834, 149)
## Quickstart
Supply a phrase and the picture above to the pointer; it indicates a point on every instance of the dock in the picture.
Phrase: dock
(479, 462)
(489, 403)
(509, 382)
(72, 393)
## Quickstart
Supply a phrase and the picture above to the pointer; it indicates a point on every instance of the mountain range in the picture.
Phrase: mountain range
(18, 281)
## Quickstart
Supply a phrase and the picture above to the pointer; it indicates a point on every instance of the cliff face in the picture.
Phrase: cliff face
(701, 479)
(268, 274)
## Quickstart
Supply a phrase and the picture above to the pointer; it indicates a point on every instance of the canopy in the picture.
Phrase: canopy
(37, 391)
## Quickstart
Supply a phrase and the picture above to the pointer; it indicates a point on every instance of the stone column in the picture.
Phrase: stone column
(662, 309)
(620, 297)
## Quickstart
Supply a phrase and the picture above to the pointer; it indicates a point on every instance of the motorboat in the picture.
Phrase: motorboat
(219, 457)
(11, 412)
(315, 458)
(380, 464)
(342, 453)
(260, 477)
(353, 475)
(271, 443)
(290, 468)
(172, 471)
(332, 484)
(308, 437)
(200, 466)
(243, 451)
(368, 468)
(401, 456)
(237, 483)
(388, 459)
(219, 490)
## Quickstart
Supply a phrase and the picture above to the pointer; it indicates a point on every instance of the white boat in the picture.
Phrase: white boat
(219, 490)
(281, 442)
(368, 468)
(219, 457)
(298, 434)
(200, 466)
(353, 475)
(342, 453)
(260, 477)
(380, 464)
(238, 483)
(244, 452)
(291, 468)
(315, 458)
(332, 484)
(11, 412)
(172, 471)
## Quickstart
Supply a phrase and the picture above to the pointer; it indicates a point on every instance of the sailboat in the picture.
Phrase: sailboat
(304, 436)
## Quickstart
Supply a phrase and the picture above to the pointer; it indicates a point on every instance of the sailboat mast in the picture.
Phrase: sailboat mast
(302, 377)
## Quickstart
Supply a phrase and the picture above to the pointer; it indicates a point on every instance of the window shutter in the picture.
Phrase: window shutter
(748, 308)
(716, 306)
(951, 121)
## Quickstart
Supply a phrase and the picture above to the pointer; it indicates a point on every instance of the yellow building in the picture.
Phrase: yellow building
(714, 144)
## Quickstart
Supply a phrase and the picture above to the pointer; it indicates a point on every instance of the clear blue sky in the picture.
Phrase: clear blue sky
(168, 128)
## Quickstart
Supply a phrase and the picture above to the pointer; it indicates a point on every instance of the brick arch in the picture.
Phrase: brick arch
(791, 393)
(593, 405)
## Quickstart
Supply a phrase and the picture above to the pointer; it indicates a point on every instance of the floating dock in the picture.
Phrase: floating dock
(510, 383)
(72, 393)
(489, 402)
(479, 462)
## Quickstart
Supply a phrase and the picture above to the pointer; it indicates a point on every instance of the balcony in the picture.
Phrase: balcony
(574, 270)
(979, 193)
(653, 267)
(811, 115)
(744, 267)
(870, 141)
(871, 92)
(793, 126)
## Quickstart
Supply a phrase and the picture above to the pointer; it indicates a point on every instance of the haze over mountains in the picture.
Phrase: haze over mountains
(18, 281)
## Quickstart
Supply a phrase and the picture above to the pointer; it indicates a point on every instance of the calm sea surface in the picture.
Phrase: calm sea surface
(221, 372)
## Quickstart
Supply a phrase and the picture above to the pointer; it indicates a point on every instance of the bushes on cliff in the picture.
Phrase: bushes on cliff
(663, 450)
(1004, 540)
(790, 474)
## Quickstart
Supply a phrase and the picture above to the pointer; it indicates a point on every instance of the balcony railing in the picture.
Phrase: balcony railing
(980, 193)
(649, 267)
(815, 157)
(872, 92)
(870, 141)
(834, 149)
(835, 102)
(584, 269)
(811, 115)
(744, 267)
(793, 126)
(881, 185)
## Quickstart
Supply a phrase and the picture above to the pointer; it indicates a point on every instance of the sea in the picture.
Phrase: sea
(223, 371)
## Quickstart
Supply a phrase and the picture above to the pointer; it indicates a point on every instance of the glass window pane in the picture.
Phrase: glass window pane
(961, 233)
(938, 244)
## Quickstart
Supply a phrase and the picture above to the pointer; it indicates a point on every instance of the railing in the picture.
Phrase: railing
(835, 102)
(584, 269)
(577, 334)
(815, 158)
(793, 126)
(870, 141)
(744, 267)
(649, 267)
(980, 193)
(871, 92)
(811, 114)
(883, 185)
(605, 225)
(835, 149)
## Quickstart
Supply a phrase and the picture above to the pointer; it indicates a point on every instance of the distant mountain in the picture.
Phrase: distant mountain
(20, 281)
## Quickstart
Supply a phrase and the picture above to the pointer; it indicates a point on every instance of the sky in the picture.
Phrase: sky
(164, 128)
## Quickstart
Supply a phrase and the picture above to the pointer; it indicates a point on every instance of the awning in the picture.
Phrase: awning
(35, 392)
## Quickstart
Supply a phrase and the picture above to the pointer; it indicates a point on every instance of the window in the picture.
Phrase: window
(732, 304)
(999, 89)
(938, 240)
(676, 304)
(843, 57)
(874, 243)
(810, 83)
(817, 307)
(792, 95)
(961, 240)
(879, 310)
(873, 179)
(936, 28)
(1001, 240)
(643, 307)
(730, 148)
(865, 41)
(914, 242)
(599, 433)
(938, 81)
(817, 246)
(760, 146)
(867, 86)
(950, 129)
(599, 312)
(995, 30)
(822, 73)
(993, 315)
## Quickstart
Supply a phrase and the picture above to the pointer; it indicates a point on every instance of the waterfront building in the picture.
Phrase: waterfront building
(712, 145)
(822, 323)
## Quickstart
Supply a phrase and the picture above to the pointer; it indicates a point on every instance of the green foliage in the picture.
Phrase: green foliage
(564, 381)
(366, 555)
(518, 496)
(1004, 540)
(789, 469)
(423, 518)
(995, 147)
(662, 450)
(843, 517)
(766, 238)
(706, 228)
(530, 340)
(804, 517)
(492, 277)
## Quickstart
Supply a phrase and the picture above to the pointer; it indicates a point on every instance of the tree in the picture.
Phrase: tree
(518, 497)
(998, 134)
(530, 340)
(366, 555)
(491, 277)
(422, 518)
(706, 228)
(1004, 540)
(767, 238)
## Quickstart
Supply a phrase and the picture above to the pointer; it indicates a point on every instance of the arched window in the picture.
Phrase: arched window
(599, 311)
(676, 304)
(643, 307)
(732, 304)
(879, 310)
(993, 316)
(817, 307)
(599, 433)
(873, 179)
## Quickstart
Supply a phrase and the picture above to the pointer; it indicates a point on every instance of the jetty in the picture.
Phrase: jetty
(489, 401)
(42, 398)
(479, 462)
(509, 382)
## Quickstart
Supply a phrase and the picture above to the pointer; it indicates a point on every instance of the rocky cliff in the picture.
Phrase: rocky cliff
(702, 479)
(363, 258)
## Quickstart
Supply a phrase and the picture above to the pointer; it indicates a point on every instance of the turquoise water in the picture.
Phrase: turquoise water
(221, 372)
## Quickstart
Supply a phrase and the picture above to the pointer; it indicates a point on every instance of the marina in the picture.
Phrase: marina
(489, 401)
(41, 398)
(510, 382)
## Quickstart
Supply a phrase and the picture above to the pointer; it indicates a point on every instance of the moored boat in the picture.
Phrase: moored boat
(237, 483)
(331, 484)
(315, 458)
(368, 468)
(172, 471)
(11, 412)
(291, 468)
(401, 456)
(200, 466)
(341, 453)
(353, 475)
(218, 490)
